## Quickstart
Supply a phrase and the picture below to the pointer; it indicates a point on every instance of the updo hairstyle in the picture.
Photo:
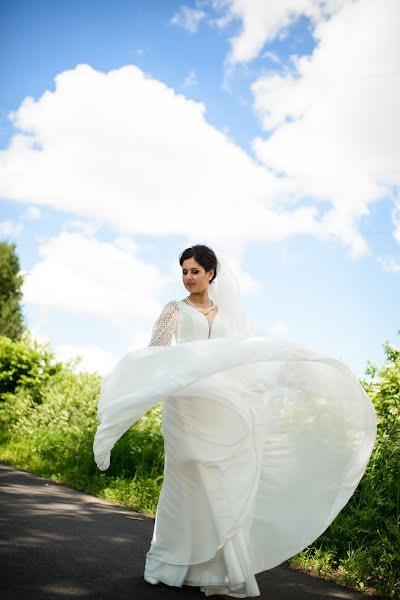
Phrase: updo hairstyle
(204, 255)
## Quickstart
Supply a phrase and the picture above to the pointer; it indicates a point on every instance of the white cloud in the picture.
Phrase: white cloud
(396, 220)
(248, 285)
(93, 358)
(332, 125)
(125, 150)
(31, 213)
(273, 57)
(88, 228)
(190, 79)
(40, 337)
(188, 18)
(263, 20)
(85, 276)
(389, 263)
(10, 228)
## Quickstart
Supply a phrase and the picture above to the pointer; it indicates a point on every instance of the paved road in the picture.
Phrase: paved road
(60, 544)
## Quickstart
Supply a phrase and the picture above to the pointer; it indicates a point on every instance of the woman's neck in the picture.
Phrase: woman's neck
(200, 298)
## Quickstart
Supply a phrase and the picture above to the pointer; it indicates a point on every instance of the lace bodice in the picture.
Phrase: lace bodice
(184, 322)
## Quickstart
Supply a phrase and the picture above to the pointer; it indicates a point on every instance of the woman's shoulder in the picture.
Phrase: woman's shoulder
(174, 303)
(171, 306)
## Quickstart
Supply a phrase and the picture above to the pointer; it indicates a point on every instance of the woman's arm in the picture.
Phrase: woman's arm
(164, 327)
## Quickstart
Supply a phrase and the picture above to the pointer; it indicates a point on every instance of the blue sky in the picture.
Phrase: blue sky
(269, 133)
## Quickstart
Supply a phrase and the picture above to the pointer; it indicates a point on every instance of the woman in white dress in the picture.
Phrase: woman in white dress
(265, 440)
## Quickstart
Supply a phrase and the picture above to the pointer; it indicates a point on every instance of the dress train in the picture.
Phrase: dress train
(265, 442)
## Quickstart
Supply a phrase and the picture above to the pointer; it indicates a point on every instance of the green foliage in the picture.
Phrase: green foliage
(48, 419)
(364, 539)
(11, 321)
(54, 437)
(25, 363)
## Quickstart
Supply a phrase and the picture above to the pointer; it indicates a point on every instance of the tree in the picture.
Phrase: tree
(11, 319)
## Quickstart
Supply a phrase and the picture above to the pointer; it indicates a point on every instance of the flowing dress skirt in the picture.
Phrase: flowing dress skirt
(265, 442)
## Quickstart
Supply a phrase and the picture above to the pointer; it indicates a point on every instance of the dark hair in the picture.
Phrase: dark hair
(204, 255)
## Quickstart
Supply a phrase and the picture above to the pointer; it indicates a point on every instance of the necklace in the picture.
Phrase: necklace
(205, 311)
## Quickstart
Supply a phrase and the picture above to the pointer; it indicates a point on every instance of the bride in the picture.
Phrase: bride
(265, 440)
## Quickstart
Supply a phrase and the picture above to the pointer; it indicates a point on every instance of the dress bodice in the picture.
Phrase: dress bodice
(185, 323)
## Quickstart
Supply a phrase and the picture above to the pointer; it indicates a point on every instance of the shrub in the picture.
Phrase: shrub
(364, 539)
(25, 364)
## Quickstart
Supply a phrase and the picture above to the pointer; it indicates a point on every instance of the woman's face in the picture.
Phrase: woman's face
(195, 278)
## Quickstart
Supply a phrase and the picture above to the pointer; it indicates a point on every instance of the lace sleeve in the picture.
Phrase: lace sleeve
(164, 327)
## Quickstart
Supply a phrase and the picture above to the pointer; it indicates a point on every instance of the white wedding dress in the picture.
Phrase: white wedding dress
(265, 442)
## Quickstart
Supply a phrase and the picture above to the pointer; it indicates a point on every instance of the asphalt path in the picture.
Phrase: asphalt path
(57, 543)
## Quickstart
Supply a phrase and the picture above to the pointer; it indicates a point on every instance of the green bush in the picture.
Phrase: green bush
(25, 364)
(364, 539)
(48, 422)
